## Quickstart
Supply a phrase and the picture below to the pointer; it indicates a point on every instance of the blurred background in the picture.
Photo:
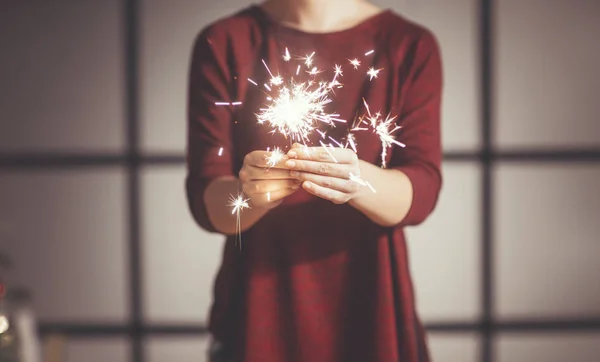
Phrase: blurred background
(93, 211)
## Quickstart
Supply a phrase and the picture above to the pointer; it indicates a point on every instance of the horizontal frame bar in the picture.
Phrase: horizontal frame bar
(50, 161)
(521, 326)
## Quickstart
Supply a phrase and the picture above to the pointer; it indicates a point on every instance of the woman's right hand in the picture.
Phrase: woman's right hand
(264, 184)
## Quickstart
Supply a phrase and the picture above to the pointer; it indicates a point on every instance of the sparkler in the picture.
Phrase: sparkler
(274, 157)
(238, 204)
(383, 129)
(296, 108)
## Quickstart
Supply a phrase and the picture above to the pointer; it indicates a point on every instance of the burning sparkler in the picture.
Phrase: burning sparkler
(238, 204)
(274, 157)
(383, 129)
(296, 108)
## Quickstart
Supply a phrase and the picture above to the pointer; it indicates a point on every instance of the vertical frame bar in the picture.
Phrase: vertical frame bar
(133, 177)
(487, 267)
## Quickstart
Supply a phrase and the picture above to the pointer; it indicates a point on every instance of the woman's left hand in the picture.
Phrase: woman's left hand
(325, 172)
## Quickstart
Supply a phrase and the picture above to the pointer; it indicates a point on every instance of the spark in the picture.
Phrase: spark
(274, 157)
(221, 151)
(287, 56)
(268, 195)
(336, 142)
(251, 81)
(369, 52)
(338, 71)
(308, 60)
(360, 181)
(228, 103)
(383, 129)
(326, 150)
(238, 204)
(372, 73)
(277, 80)
(314, 71)
(297, 108)
(352, 142)
(355, 63)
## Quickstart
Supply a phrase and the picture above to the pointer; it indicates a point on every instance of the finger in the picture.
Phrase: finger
(334, 196)
(323, 154)
(266, 159)
(272, 198)
(342, 185)
(321, 168)
(263, 186)
(260, 173)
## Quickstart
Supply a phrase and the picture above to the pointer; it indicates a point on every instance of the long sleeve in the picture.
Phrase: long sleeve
(419, 118)
(209, 145)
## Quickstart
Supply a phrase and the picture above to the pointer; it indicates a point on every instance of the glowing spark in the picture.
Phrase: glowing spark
(277, 80)
(352, 142)
(326, 150)
(335, 84)
(322, 133)
(372, 73)
(298, 70)
(274, 157)
(251, 81)
(268, 195)
(360, 181)
(314, 71)
(238, 204)
(338, 71)
(370, 186)
(369, 52)
(221, 151)
(297, 108)
(236, 103)
(266, 66)
(287, 56)
(336, 142)
(383, 129)
(308, 60)
(355, 63)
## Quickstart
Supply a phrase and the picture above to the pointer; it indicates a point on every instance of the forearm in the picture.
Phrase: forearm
(392, 200)
(216, 197)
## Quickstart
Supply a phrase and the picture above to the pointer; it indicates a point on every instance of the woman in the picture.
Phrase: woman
(322, 272)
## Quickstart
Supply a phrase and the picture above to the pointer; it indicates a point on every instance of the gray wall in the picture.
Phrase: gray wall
(62, 92)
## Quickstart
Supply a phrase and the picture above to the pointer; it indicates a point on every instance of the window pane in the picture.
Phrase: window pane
(444, 250)
(556, 347)
(168, 32)
(180, 349)
(180, 260)
(547, 73)
(62, 76)
(66, 232)
(97, 350)
(546, 224)
(455, 24)
(453, 348)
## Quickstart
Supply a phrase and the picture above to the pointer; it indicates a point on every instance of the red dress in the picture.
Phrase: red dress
(315, 281)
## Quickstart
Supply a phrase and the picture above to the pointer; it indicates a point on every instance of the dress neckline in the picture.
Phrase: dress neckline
(364, 26)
